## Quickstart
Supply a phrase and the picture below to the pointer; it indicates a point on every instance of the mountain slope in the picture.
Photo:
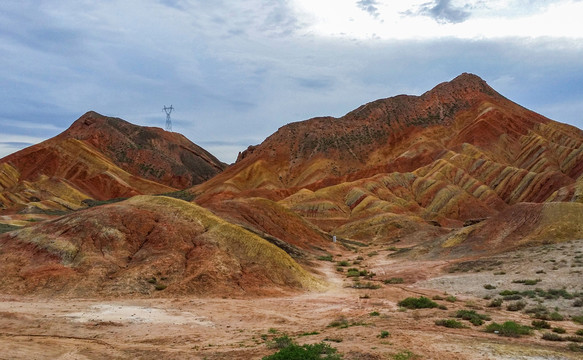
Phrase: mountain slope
(101, 158)
(132, 246)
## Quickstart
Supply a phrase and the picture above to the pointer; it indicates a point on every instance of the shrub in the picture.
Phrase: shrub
(352, 272)
(450, 323)
(451, 298)
(527, 282)
(340, 322)
(540, 324)
(375, 313)
(384, 334)
(516, 306)
(489, 287)
(418, 303)
(552, 337)
(394, 280)
(512, 297)
(305, 352)
(509, 329)
(578, 319)
(559, 330)
(280, 342)
(325, 257)
(472, 316)
(578, 339)
(160, 287)
(367, 285)
(578, 303)
(509, 292)
(343, 263)
(555, 316)
(495, 303)
(579, 332)
(404, 355)
(576, 348)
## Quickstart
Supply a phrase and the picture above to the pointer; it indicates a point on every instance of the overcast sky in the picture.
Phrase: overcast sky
(236, 71)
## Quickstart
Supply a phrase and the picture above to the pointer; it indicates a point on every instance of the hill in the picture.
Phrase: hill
(100, 158)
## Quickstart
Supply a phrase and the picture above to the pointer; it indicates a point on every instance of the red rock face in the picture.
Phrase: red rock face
(102, 158)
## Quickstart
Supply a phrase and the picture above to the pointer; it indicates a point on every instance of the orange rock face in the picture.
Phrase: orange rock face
(102, 158)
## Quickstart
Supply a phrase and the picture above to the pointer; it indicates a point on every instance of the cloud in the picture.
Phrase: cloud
(370, 6)
(442, 11)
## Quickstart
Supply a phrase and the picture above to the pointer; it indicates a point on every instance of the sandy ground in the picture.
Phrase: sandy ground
(222, 328)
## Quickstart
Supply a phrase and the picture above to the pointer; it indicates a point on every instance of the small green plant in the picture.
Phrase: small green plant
(472, 316)
(352, 272)
(418, 303)
(152, 280)
(555, 316)
(272, 331)
(310, 333)
(366, 285)
(559, 330)
(575, 347)
(325, 257)
(540, 324)
(375, 313)
(336, 339)
(450, 323)
(340, 322)
(451, 298)
(508, 329)
(579, 332)
(343, 263)
(578, 319)
(527, 281)
(384, 334)
(489, 287)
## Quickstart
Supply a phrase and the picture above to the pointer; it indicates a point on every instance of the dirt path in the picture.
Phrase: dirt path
(203, 328)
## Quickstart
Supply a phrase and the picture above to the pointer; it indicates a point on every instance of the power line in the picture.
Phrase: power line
(168, 111)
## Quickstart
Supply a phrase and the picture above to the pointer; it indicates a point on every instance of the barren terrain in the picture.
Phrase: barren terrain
(245, 327)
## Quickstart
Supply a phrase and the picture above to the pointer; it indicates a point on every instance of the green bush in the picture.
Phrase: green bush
(405, 355)
(579, 332)
(559, 330)
(552, 337)
(305, 352)
(472, 316)
(343, 263)
(450, 323)
(555, 316)
(508, 329)
(325, 257)
(418, 303)
(495, 303)
(451, 298)
(384, 334)
(516, 306)
(375, 313)
(540, 324)
(489, 287)
(394, 280)
(280, 342)
(576, 348)
(578, 319)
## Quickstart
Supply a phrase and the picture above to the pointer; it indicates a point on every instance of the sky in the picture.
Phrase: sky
(236, 71)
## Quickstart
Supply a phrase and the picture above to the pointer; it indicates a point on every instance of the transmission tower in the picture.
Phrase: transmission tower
(168, 111)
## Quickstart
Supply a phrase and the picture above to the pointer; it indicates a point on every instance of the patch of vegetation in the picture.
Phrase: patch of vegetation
(342, 263)
(579, 332)
(540, 324)
(508, 329)
(496, 303)
(310, 333)
(306, 352)
(552, 337)
(373, 253)
(575, 347)
(160, 287)
(527, 281)
(343, 323)
(472, 316)
(489, 287)
(508, 292)
(577, 339)
(325, 257)
(451, 298)
(450, 323)
(375, 313)
(336, 340)
(578, 319)
(394, 280)
(366, 285)
(516, 306)
(555, 316)
(559, 330)
(418, 303)
(384, 334)
(280, 342)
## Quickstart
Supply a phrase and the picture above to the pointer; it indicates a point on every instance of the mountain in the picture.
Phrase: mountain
(101, 158)
(459, 153)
